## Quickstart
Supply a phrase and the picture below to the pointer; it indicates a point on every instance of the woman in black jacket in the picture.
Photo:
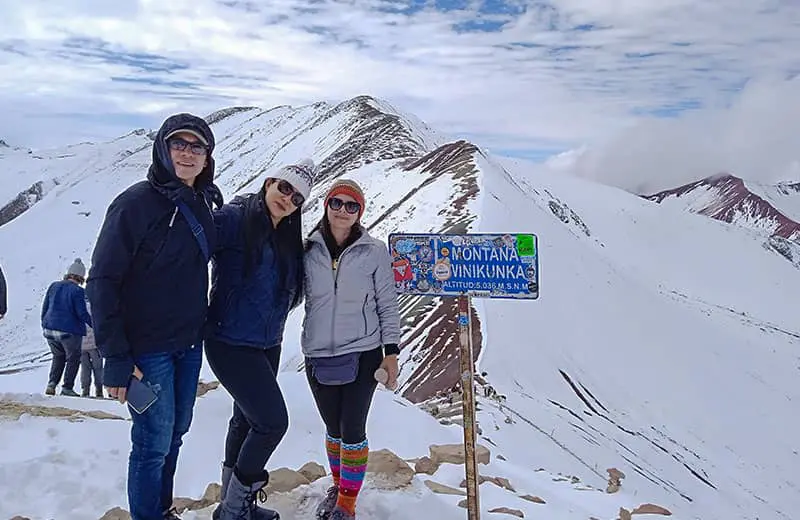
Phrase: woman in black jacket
(257, 279)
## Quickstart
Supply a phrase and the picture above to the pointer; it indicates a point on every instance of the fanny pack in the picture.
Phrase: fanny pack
(336, 370)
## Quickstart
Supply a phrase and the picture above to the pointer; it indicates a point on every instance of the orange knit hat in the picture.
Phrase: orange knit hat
(347, 187)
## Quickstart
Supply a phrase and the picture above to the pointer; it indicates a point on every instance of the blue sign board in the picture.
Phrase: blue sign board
(478, 265)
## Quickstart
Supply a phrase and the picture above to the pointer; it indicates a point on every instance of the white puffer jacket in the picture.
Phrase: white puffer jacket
(353, 308)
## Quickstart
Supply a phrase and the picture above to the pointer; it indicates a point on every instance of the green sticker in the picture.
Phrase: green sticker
(526, 245)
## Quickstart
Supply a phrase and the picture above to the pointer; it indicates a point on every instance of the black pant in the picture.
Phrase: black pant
(66, 360)
(260, 419)
(344, 408)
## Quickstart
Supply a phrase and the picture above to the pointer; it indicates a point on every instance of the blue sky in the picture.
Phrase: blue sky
(523, 78)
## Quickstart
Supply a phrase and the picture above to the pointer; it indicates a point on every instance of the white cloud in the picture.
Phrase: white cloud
(755, 138)
(538, 83)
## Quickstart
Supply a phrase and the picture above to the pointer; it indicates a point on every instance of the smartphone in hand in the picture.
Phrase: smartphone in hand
(140, 396)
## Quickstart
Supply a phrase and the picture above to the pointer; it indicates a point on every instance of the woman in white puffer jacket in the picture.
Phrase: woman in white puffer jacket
(351, 329)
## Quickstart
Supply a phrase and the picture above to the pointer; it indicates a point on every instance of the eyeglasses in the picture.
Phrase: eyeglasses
(350, 206)
(287, 189)
(180, 145)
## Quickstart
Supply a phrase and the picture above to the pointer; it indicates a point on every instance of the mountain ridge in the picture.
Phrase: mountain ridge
(729, 198)
(629, 359)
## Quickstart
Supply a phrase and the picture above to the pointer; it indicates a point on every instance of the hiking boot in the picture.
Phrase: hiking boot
(85, 392)
(325, 508)
(240, 501)
(226, 480)
(69, 392)
(99, 393)
(340, 514)
(171, 514)
(50, 390)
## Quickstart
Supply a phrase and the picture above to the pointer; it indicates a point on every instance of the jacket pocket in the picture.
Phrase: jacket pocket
(223, 310)
(370, 317)
(364, 314)
(157, 253)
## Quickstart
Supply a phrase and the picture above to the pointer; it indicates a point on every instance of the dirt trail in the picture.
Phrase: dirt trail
(12, 410)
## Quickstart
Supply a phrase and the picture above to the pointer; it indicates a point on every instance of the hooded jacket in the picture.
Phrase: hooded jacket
(148, 282)
(252, 289)
(353, 308)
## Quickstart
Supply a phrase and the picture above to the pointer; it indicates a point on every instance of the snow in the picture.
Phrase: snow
(664, 344)
(666, 334)
(787, 201)
(76, 470)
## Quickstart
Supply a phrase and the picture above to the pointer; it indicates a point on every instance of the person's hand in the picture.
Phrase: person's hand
(120, 393)
(389, 364)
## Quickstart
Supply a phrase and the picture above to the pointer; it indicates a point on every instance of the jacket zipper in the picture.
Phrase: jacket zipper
(166, 238)
(335, 272)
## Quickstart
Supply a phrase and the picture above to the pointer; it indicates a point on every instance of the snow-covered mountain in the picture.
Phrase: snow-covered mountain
(771, 208)
(647, 351)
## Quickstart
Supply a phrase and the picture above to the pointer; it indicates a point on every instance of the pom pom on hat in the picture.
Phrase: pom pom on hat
(300, 175)
(77, 268)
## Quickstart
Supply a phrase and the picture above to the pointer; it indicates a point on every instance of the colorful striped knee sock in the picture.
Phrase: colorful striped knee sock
(354, 466)
(333, 447)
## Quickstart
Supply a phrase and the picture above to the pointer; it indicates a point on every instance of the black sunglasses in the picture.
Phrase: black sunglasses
(180, 145)
(350, 206)
(286, 188)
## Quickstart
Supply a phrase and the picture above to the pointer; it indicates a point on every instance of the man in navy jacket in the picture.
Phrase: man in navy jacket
(148, 289)
(64, 321)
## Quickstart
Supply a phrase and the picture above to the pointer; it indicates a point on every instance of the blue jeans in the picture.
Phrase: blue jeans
(157, 434)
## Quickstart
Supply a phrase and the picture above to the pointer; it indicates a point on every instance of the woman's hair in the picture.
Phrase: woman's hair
(75, 278)
(324, 226)
(287, 240)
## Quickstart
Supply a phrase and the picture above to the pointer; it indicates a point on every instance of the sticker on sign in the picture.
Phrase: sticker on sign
(478, 265)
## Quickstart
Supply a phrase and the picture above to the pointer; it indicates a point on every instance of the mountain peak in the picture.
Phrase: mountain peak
(578, 382)
(731, 199)
(723, 177)
(219, 115)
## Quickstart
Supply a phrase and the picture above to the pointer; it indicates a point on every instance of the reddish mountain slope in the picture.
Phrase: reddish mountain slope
(728, 198)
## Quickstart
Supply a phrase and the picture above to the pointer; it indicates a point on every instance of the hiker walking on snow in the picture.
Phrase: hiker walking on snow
(148, 291)
(351, 328)
(64, 321)
(257, 279)
(91, 364)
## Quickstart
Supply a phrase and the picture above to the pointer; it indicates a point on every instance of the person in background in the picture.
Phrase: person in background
(91, 363)
(64, 321)
(148, 290)
(257, 279)
(351, 329)
(3, 295)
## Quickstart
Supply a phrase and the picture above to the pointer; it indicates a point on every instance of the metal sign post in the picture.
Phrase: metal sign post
(467, 266)
(468, 405)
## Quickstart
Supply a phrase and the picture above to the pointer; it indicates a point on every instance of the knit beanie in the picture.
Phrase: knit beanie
(347, 187)
(77, 268)
(300, 176)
